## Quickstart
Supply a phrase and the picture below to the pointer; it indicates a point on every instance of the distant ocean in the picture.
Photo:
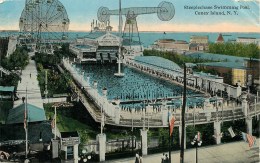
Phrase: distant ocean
(148, 38)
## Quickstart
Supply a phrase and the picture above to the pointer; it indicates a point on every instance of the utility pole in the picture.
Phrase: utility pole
(55, 122)
(119, 57)
(183, 117)
(132, 132)
(26, 126)
(46, 89)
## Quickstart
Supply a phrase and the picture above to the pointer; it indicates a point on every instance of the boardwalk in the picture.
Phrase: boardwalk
(29, 81)
(224, 153)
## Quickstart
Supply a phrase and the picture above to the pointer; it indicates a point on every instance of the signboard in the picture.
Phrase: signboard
(70, 141)
(108, 40)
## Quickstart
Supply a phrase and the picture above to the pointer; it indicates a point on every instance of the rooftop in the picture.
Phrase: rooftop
(220, 38)
(95, 35)
(235, 65)
(166, 40)
(158, 61)
(208, 75)
(83, 46)
(36, 130)
(197, 36)
(217, 57)
(7, 89)
(35, 114)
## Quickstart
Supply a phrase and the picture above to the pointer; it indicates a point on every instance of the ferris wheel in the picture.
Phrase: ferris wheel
(45, 19)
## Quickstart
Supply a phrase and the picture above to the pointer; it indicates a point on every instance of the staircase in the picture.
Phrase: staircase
(5, 71)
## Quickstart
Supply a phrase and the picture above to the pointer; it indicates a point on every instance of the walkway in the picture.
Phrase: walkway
(236, 152)
(29, 81)
(153, 118)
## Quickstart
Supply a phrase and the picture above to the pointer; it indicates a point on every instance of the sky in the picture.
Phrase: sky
(82, 12)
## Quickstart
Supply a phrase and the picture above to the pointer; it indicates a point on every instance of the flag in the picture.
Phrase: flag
(251, 140)
(230, 130)
(171, 123)
(25, 118)
(244, 136)
(198, 136)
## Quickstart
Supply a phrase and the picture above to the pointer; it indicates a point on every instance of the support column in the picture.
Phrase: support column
(65, 150)
(244, 105)
(88, 83)
(228, 92)
(76, 153)
(164, 116)
(249, 125)
(117, 114)
(101, 138)
(184, 136)
(144, 141)
(55, 148)
(217, 131)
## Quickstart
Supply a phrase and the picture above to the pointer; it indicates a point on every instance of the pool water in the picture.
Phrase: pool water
(135, 88)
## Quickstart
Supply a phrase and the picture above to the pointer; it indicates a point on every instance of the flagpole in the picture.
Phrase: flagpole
(183, 116)
(26, 128)
(170, 158)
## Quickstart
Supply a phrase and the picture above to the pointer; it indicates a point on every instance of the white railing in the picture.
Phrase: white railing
(232, 91)
(100, 100)
(7, 72)
(197, 116)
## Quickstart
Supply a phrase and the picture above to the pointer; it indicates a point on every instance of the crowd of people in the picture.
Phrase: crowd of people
(136, 89)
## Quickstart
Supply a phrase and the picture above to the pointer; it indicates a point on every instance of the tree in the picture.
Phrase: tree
(9, 80)
(84, 137)
(235, 49)
(17, 60)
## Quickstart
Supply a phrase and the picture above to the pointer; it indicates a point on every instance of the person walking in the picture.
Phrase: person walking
(166, 159)
(163, 158)
(137, 158)
(140, 159)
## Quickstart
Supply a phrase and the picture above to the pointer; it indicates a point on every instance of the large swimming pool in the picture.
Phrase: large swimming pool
(134, 86)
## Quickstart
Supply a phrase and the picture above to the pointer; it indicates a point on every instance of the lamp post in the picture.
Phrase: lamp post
(197, 141)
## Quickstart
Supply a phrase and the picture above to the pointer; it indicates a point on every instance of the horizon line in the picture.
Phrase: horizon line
(14, 30)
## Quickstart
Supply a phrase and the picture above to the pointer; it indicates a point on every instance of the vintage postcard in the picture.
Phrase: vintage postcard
(134, 81)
